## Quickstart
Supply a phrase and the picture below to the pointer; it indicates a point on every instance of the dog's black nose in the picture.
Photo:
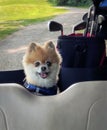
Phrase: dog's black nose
(43, 68)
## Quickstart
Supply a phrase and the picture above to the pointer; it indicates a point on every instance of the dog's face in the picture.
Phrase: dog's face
(41, 64)
(42, 69)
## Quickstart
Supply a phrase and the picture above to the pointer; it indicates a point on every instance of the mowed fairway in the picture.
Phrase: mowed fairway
(15, 14)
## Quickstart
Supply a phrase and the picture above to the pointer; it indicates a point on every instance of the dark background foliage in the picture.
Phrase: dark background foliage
(71, 2)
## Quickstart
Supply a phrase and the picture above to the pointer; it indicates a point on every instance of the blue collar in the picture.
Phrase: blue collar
(42, 90)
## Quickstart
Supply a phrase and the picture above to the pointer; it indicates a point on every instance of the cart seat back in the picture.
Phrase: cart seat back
(82, 106)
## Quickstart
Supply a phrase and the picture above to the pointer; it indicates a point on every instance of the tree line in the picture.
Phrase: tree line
(71, 2)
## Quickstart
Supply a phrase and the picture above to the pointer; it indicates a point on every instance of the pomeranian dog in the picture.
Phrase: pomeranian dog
(41, 66)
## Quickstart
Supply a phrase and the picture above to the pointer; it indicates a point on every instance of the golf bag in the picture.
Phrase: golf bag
(81, 52)
(84, 55)
(83, 59)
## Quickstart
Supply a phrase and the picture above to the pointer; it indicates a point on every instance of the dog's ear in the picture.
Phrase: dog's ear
(32, 47)
(50, 45)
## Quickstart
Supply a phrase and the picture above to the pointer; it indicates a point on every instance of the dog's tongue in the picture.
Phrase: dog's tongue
(43, 75)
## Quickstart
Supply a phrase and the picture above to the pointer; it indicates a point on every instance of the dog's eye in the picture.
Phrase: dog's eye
(37, 64)
(48, 63)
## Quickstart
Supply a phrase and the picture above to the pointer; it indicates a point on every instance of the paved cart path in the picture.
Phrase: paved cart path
(13, 47)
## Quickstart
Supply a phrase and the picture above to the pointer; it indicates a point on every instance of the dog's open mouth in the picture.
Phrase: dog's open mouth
(43, 75)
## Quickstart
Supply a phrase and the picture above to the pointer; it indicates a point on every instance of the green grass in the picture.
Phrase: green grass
(15, 14)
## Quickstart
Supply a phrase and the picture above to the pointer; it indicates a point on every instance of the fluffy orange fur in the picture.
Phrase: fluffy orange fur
(41, 53)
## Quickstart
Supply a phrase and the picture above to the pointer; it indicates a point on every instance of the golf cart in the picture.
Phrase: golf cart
(82, 101)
